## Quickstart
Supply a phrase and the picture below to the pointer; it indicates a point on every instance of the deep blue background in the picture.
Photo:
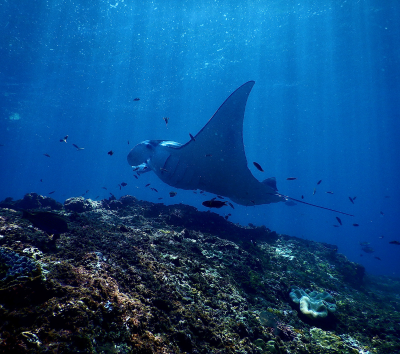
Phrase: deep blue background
(326, 104)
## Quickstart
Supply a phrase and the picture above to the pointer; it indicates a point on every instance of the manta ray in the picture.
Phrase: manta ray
(213, 160)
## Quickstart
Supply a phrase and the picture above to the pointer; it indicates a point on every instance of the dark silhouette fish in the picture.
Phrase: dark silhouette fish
(64, 140)
(339, 221)
(394, 243)
(351, 200)
(213, 203)
(368, 249)
(47, 155)
(319, 182)
(123, 184)
(291, 178)
(192, 137)
(258, 166)
(77, 147)
(172, 194)
(110, 153)
(136, 99)
(356, 224)
(46, 221)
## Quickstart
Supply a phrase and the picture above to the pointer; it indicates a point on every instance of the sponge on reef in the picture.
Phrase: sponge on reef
(313, 304)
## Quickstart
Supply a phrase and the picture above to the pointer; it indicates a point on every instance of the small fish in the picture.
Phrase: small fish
(319, 182)
(166, 119)
(382, 213)
(351, 200)
(192, 137)
(163, 169)
(378, 258)
(41, 180)
(64, 140)
(381, 236)
(97, 197)
(104, 188)
(395, 243)
(208, 155)
(329, 192)
(368, 249)
(47, 155)
(119, 186)
(155, 190)
(77, 147)
(354, 198)
(46, 221)
(315, 191)
(213, 203)
(302, 196)
(110, 153)
(160, 198)
(231, 205)
(356, 225)
(258, 166)
(291, 178)
(339, 221)
(172, 194)
(136, 99)
(128, 142)
(52, 192)
(123, 184)
(136, 176)
(148, 184)
(220, 197)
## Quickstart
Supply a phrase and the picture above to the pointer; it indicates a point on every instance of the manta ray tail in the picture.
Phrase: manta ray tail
(317, 206)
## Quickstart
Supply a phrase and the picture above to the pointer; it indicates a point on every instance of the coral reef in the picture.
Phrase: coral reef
(136, 277)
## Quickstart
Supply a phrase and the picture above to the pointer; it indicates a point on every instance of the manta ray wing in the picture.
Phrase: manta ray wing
(214, 160)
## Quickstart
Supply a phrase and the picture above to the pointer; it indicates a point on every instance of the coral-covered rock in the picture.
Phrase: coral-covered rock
(139, 277)
(35, 201)
(80, 204)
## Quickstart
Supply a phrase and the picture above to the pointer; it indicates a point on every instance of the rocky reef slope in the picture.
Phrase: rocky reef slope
(136, 277)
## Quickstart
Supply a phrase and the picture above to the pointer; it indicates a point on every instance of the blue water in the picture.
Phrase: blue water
(326, 104)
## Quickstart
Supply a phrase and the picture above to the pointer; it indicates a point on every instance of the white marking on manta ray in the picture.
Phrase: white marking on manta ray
(213, 161)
